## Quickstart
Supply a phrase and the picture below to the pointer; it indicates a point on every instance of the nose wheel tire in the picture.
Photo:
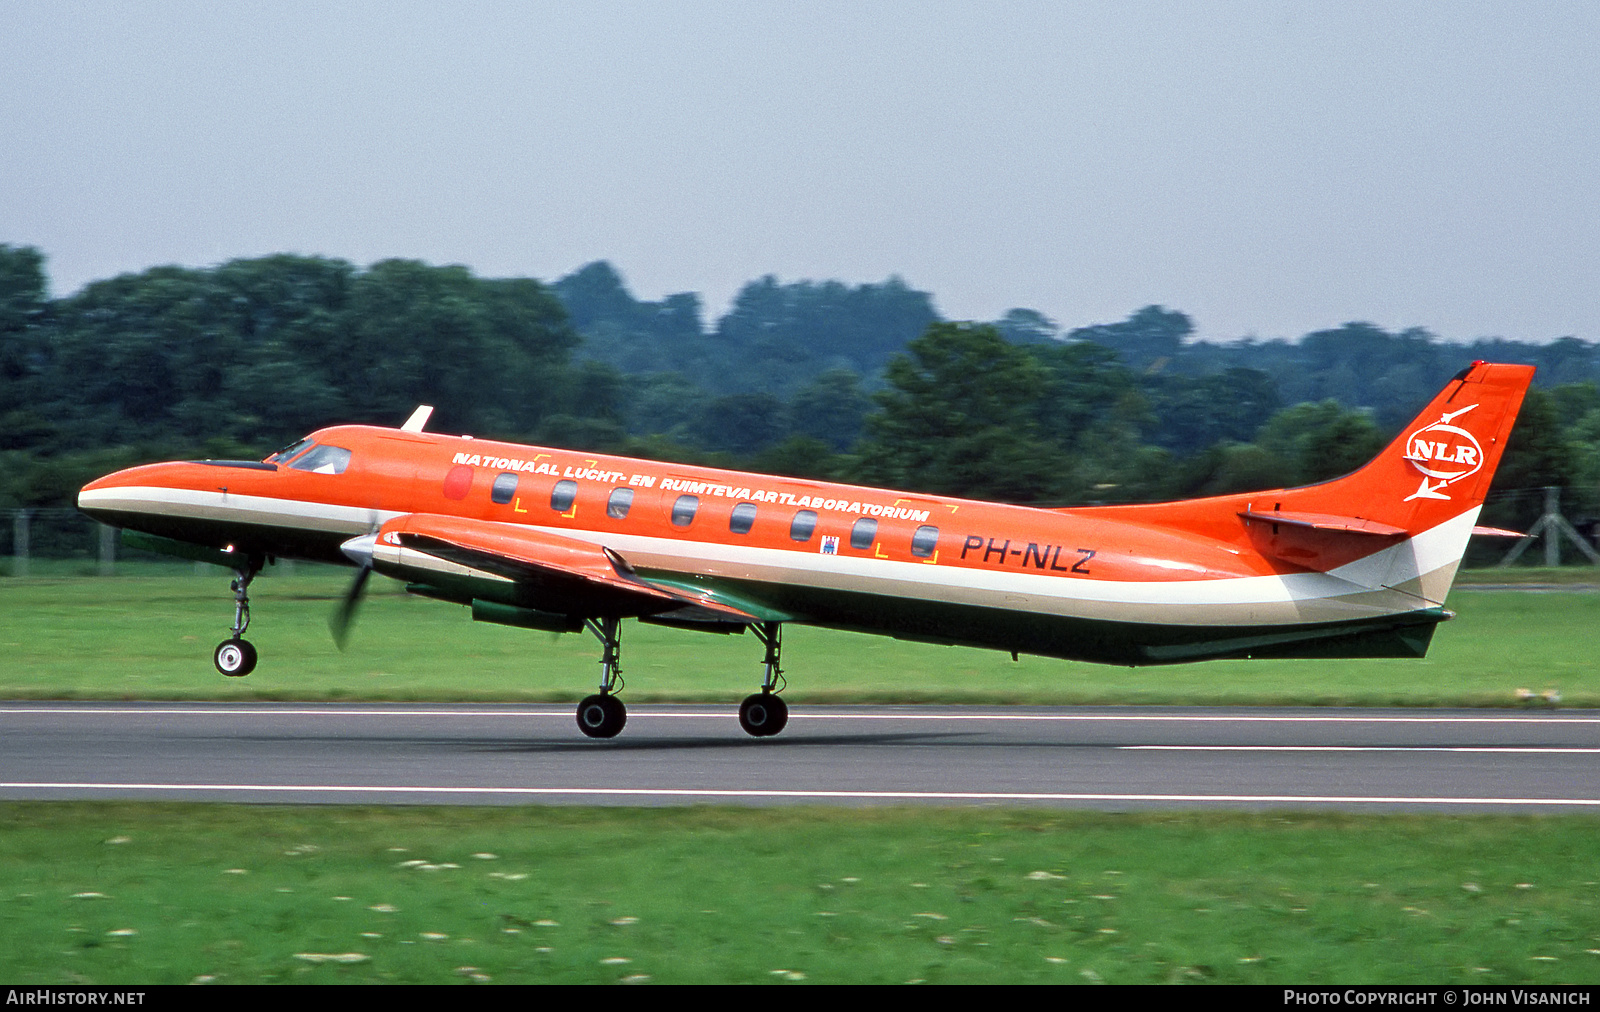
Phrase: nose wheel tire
(763, 715)
(601, 716)
(235, 657)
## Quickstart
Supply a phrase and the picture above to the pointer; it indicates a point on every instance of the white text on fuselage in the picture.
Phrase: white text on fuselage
(690, 487)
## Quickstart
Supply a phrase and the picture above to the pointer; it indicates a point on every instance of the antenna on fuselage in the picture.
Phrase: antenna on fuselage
(418, 418)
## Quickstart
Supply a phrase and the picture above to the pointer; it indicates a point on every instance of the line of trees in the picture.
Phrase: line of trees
(861, 383)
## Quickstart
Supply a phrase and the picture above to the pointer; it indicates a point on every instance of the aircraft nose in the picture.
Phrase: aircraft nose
(122, 498)
(359, 550)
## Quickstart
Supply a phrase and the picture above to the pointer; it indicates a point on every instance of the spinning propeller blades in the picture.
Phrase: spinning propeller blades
(359, 551)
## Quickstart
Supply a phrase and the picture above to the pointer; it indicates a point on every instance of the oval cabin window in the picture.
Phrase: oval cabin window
(684, 509)
(617, 506)
(803, 524)
(863, 533)
(743, 518)
(505, 486)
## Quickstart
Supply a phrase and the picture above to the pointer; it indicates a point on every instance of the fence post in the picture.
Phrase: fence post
(108, 549)
(1552, 537)
(19, 543)
(1552, 527)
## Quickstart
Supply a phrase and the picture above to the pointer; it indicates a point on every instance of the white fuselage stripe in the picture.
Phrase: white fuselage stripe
(1282, 598)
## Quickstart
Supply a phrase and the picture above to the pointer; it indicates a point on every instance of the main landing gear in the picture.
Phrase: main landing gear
(765, 713)
(602, 715)
(235, 656)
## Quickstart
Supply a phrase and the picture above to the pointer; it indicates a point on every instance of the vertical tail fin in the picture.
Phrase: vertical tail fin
(1441, 464)
(1422, 494)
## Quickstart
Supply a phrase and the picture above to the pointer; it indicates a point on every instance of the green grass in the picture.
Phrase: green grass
(96, 893)
(107, 893)
(150, 637)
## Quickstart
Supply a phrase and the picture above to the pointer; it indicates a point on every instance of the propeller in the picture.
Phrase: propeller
(359, 550)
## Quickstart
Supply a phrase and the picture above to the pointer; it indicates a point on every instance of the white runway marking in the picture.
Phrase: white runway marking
(89, 709)
(1352, 748)
(758, 795)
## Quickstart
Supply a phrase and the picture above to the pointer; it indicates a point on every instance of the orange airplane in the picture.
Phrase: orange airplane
(563, 540)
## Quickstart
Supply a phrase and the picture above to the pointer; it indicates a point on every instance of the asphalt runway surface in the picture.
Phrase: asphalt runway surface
(1117, 758)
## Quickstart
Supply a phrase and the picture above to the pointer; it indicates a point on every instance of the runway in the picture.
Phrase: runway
(1113, 758)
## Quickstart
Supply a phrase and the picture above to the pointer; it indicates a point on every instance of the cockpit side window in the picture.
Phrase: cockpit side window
(288, 452)
(323, 460)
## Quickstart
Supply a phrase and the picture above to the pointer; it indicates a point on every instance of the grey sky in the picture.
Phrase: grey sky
(1269, 168)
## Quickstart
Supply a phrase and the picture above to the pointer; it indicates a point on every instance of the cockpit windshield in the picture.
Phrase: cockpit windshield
(288, 452)
(323, 460)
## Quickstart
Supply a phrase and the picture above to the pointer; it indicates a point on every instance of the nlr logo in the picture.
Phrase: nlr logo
(1443, 452)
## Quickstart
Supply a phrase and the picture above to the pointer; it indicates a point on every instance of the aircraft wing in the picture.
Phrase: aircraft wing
(550, 572)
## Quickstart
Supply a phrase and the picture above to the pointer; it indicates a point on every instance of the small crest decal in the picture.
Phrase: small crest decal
(830, 545)
(1444, 453)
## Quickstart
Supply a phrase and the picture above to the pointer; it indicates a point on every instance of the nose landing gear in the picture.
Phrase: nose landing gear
(235, 656)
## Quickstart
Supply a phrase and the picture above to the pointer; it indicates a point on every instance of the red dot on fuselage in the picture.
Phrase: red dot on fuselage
(457, 482)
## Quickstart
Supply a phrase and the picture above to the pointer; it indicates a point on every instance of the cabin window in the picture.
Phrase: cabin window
(803, 524)
(924, 542)
(324, 460)
(742, 518)
(562, 496)
(684, 509)
(505, 486)
(862, 534)
(617, 505)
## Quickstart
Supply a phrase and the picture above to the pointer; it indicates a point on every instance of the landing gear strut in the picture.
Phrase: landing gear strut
(236, 657)
(765, 713)
(603, 715)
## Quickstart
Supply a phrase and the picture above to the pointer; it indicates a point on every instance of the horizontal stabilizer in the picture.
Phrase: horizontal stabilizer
(1319, 541)
(1496, 532)
(1326, 522)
